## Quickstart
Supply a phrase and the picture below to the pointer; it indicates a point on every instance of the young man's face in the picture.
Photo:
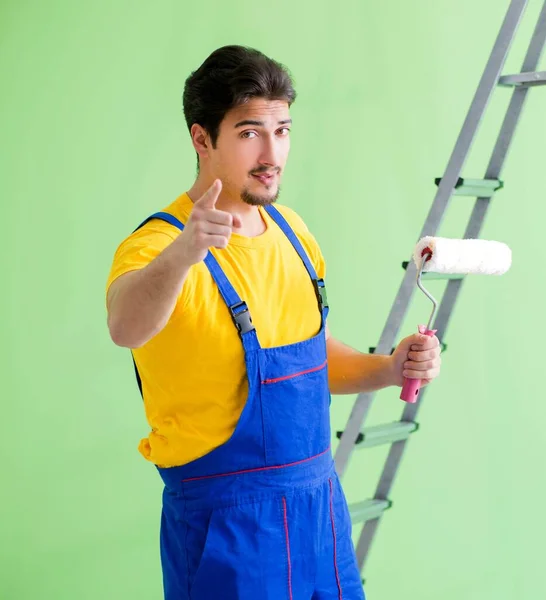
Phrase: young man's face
(251, 150)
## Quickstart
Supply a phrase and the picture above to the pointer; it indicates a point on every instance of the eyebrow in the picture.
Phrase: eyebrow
(260, 123)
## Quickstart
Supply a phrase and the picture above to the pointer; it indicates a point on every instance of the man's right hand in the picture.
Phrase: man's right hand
(207, 227)
(141, 302)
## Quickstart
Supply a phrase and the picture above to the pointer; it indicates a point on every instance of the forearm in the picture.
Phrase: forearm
(352, 372)
(141, 306)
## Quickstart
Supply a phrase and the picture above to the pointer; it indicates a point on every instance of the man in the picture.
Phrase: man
(221, 298)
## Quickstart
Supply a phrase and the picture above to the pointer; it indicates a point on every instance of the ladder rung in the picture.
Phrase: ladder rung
(523, 79)
(384, 434)
(372, 350)
(368, 510)
(475, 188)
(431, 275)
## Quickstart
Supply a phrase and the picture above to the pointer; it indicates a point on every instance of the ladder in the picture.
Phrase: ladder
(367, 514)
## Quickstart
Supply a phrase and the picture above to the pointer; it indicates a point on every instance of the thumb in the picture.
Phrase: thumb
(209, 198)
(417, 341)
(418, 338)
(412, 342)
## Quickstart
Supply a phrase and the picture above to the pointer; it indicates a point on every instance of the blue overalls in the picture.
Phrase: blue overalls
(263, 516)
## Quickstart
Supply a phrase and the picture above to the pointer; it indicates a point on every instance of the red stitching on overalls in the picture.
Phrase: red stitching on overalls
(298, 462)
(285, 377)
(287, 549)
(335, 541)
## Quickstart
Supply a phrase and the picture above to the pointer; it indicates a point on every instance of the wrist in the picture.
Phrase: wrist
(391, 373)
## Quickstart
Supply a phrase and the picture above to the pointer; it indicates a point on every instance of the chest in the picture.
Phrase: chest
(276, 287)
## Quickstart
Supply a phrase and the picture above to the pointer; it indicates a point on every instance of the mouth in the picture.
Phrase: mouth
(265, 178)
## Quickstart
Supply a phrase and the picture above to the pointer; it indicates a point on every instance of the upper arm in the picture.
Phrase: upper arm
(135, 253)
(116, 286)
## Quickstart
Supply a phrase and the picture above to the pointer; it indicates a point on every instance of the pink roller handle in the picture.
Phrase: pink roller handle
(411, 387)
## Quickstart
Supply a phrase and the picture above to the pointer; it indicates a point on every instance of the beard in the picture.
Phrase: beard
(259, 200)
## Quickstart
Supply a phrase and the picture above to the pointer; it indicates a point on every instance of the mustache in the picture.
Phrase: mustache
(264, 170)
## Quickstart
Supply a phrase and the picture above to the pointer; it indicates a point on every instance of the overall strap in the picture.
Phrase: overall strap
(238, 309)
(319, 285)
(163, 216)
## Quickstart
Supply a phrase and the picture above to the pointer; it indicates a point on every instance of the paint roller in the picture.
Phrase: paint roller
(452, 256)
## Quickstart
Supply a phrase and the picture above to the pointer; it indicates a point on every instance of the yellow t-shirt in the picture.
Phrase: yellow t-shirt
(193, 372)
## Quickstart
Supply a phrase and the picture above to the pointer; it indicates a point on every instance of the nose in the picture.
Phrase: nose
(270, 153)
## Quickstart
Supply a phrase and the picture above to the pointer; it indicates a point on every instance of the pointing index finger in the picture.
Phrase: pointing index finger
(209, 198)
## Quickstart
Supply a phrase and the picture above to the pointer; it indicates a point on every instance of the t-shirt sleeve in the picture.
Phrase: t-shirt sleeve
(139, 250)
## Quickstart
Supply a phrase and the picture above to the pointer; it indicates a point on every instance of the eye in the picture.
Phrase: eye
(247, 135)
(284, 130)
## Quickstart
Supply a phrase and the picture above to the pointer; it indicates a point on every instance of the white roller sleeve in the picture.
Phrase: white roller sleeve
(482, 257)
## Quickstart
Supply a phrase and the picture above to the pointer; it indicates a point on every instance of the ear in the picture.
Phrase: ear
(200, 139)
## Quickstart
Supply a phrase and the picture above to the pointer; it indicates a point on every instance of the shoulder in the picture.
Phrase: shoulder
(305, 236)
(160, 228)
(143, 245)
(156, 232)
(293, 219)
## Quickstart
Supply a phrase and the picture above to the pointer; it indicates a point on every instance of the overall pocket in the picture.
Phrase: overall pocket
(295, 402)
(197, 535)
(244, 555)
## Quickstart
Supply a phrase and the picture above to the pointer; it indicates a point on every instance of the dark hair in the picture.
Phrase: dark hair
(229, 77)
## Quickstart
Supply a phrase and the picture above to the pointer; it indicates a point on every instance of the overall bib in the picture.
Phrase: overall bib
(263, 516)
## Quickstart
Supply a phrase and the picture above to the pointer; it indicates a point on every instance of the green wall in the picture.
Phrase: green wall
(93, 140)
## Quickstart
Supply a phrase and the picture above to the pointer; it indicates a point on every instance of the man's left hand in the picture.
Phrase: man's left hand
(416, 357)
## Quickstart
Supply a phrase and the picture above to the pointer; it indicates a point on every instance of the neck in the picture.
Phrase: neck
(251, 219)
